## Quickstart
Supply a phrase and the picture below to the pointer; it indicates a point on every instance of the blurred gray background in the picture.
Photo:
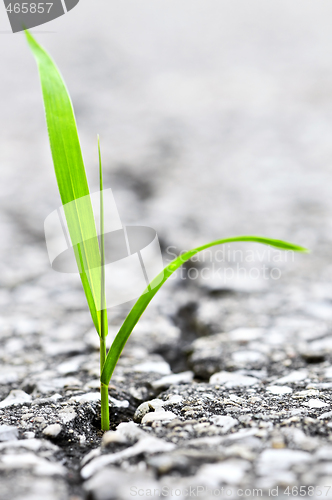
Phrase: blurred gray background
(215, 120)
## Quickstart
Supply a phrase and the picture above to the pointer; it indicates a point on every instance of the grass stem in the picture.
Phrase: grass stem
(105, 423)
(105, 419)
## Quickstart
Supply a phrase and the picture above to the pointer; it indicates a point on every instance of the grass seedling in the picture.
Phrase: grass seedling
(89, 251)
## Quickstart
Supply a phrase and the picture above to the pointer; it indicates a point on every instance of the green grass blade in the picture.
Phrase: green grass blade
(70, 174)
(141, 304)
(105, 418)
(103, 312)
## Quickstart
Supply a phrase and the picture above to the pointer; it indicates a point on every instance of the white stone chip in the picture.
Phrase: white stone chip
(90, 397)
(113, 437)
(176, 378)
(153, 366)
(326, 415)
(126, 432)
(141, 410)
(148, 445)
(224, 421)
(174, 399)
(52, 430)
(29, 435)
(156, 404)
(232, 379)
(158, 416)
(40, 466)
(315, 403)
(148, 406)
(118, 403)
(306, 393)
(295, 376)
(86, 398)
(8, 433)
(275, 389)
(15, 397)
(67, 415)
(29, 444)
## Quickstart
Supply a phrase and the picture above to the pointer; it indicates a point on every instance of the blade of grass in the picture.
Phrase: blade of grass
(104, 323)
(70, 174)
(155, 285)
(105, 420)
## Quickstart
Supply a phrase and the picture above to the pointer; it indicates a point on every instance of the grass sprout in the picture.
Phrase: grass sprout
(89, 250)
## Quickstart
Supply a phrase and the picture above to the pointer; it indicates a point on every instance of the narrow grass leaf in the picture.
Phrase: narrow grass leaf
(103, 312)
(70, 175)
(142, 303)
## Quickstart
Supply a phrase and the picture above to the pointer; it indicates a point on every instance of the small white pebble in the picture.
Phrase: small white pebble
(158, 416)
(295, 376)
(15, 397)
(151, 366)
(175, 378)
(232, 379)
(315, 403)
(52, 430)
(174, 398)
(275, 389)
(119, 404)
(29, 435)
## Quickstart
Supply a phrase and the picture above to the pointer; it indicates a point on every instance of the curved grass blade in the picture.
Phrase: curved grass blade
(70, 174)
(142, 303)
